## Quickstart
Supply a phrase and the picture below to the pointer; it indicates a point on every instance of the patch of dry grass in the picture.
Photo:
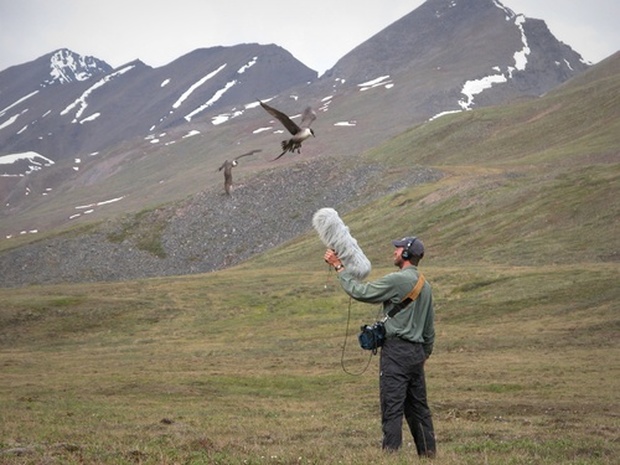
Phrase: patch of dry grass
(245, 366)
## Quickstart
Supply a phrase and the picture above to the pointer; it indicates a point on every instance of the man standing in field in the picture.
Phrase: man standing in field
(410, 335)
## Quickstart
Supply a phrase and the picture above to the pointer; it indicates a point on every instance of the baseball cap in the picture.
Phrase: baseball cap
(416, 246)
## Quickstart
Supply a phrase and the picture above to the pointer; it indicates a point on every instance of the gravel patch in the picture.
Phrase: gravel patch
(207, 232)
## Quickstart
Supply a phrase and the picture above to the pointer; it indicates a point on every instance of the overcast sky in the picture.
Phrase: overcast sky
(316, 32)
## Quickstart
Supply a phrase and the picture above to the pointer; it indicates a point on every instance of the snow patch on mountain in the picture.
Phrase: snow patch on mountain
(384, 81)
(90, 208)
(248, 65)
(82, 102)
(185, 95)
(92, 117)
(224, 117)
(474, 87)
(34, 162)
(67, 66)
(191, 133)
(17, 102)
(509, 13)
(218, 95)
(9, 121)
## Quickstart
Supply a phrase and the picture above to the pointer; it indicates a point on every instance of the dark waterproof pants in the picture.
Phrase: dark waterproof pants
(403, 392)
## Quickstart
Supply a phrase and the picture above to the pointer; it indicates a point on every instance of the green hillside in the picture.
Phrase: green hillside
(259, 364)
(532, 183)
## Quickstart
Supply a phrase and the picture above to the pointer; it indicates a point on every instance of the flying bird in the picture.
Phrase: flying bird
(228, 165)
(300, 133)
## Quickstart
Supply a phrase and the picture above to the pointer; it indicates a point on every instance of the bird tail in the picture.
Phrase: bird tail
(280, 155)
(287, 145)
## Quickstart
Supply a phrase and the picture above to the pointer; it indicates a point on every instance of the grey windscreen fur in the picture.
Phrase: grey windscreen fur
(335, 235)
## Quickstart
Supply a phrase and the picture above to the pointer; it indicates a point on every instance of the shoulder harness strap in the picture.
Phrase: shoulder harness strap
(413, 294)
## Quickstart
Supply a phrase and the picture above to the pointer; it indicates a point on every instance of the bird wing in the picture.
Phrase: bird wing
(308, 117)
(251, 152)
(285, 120)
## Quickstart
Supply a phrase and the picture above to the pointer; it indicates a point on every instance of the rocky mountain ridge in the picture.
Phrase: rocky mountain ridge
(84, 116)
(475, 53)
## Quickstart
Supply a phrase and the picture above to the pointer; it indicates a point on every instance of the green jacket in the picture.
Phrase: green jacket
(413, 323)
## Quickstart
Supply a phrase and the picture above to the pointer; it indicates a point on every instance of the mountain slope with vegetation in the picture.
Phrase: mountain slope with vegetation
(137, 137)
(505, 183)
(258, 363)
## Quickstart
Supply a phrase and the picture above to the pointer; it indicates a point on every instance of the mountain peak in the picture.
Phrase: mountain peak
(464, 37)
(67, 66)
(446, 56)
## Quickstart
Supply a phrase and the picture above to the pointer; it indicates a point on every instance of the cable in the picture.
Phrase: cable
(344, 347)
(346, 334)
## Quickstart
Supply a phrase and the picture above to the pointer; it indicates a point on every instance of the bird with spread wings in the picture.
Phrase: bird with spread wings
(228, 165)
(299, 132)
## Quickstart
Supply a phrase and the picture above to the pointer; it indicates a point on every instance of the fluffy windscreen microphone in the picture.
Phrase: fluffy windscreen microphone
(335, 235)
